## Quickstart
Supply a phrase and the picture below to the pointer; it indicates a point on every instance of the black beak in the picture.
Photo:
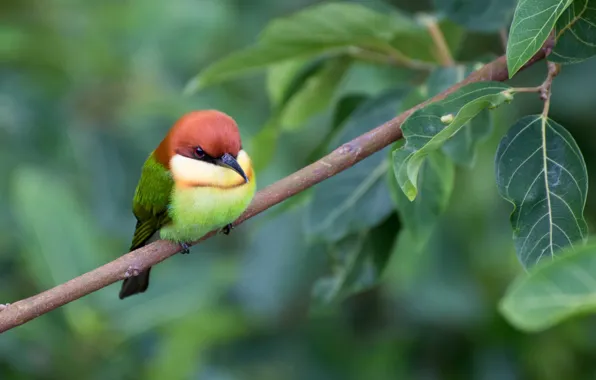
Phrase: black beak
(229, 161)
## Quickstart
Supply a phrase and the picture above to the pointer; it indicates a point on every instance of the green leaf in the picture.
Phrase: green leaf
(264, 143)
(482, 16)
(575, 33)
(461, 148)
(357, 198)
(55, 255)
(553, 291)
(532, 23)
(435, 184)
(418, 44)
(280, 250)
(322, 29)
(284, 81)
(428, 128)
(315, 95)
(357, 263)
(540, 169)
(286, 78)
(343, 109)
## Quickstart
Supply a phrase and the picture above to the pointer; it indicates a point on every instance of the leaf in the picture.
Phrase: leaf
(481, 16)
(427, 129)
(461, 148)
(357, 198)
(532, 23)
(435, 184)
(284, 81)
(278, 266)
(418, 44)
(343, 109)
(285, 78)
(540, 169)
(553, 291)
(575, 33)
(358, 262)
(264, 143)
(56, 254)
(321, 29)
(315, 95)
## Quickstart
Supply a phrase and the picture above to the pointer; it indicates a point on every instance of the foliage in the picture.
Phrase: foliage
(402, 266)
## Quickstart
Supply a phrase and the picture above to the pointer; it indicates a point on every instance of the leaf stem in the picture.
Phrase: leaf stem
(527, 89)
(504, 38)
(545, 88)
(445, 56)
(388, 55)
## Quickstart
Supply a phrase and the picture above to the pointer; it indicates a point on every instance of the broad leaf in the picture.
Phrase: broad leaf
(540, 169)
(576, 33)
(291, 265)
(286, 78)
(428, 128)
(462, 147)
(484, 16)
(532, 23)
(315, 95)
(417, 44)
(357, 263)
(435, 184)
(553, 291)
(264, 143)
(343, 109)
(284, 81)
(357, 198)
(325, 28)
(53, 255)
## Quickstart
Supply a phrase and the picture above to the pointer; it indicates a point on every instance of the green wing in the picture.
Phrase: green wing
(151, 200)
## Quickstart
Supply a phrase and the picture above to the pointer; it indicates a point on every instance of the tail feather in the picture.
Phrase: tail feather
(135, 285)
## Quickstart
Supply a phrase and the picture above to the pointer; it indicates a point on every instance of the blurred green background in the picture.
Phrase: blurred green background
(88, 89)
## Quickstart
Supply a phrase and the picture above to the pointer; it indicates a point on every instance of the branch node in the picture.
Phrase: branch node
(132, 271)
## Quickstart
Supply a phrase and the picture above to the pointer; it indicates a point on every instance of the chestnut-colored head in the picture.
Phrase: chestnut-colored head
(203, 148)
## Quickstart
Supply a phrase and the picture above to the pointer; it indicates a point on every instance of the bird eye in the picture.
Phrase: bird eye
(199, 153)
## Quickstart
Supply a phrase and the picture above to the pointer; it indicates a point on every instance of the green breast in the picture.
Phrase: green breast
(196, 211)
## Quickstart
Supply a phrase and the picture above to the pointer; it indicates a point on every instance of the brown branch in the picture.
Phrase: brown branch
(340, 159)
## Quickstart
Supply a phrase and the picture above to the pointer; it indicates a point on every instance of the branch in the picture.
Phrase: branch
(345, 156)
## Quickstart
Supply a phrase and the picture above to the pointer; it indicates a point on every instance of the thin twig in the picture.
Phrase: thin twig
(445, 57)
(545, 88)
(335, 162)
(389, 56)
(504, 38)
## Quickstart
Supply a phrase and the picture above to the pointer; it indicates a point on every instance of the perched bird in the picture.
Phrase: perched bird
(198, 179)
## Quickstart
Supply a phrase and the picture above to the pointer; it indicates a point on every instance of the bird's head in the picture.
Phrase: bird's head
(203, 148)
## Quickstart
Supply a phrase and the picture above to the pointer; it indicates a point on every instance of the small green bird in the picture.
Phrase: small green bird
(198, 179)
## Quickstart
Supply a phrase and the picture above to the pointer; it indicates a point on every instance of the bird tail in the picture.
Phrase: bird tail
(134, 285)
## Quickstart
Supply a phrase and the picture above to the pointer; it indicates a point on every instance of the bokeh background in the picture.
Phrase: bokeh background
(87, 89)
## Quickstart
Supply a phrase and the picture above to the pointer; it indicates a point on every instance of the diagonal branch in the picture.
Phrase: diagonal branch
(335, 162)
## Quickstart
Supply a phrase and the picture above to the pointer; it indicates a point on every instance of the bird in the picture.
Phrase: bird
(198, 179)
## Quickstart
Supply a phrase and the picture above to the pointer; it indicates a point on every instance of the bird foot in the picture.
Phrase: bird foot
(132, 271)
(4, 306)
(185, 248)
(227, 229)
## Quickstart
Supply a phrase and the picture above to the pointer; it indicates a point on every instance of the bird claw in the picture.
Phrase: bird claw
(4, 306)
(227, 229)
(185, 248)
